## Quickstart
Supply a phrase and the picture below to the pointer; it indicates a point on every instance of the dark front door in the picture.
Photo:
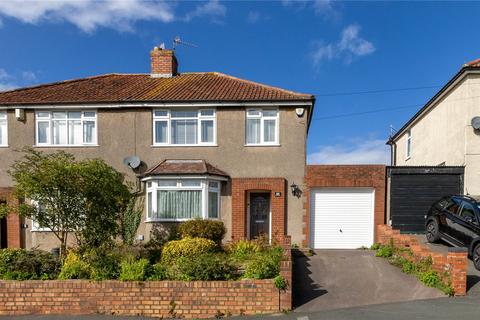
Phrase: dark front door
(259, 214)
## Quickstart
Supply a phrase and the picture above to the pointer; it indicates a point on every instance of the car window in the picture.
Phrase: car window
(453, 205)
(467, 211)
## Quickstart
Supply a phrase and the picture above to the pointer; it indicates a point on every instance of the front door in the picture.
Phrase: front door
(259, 214)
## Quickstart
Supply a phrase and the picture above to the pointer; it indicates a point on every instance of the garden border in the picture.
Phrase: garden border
(194, 299)
(455, 262)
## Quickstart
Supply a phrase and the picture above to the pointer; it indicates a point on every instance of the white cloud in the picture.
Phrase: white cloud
(349, 46)
(253, 17)
(88, 14)
(212, 8)
(322, 8)
(372, 151)
(9, 81)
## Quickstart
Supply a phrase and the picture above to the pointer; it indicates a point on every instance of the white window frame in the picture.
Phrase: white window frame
(4, 117)
(262, 121)
(50, 120)
(152, 187)
(408, 145)
(168, 118)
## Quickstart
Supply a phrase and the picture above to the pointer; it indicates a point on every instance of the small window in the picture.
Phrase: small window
(167, 183)
(3, 129)
(262, 127)
(409, 144)
(467, 211)
(190, 183)
(453, 206)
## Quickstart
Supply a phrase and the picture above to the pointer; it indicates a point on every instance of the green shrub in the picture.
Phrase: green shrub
(375, 246)
(265, 265)
(430, 278)
(409, 267)
(21, 264)
(74, 267)
(209, 266)
(385, 251)
(104, 263)
(158, 272)
(243, 249)
(280, 283)
(137, 270)
(199, 228)
(187, 247)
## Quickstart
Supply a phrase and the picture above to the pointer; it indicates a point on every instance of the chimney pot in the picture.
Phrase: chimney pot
(163, 63)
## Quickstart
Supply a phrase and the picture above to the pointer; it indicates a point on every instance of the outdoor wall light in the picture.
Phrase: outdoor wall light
(296, 190)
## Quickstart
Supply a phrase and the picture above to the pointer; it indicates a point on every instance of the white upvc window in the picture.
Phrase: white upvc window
(184, 127)
(409, 144)
(182, 199)
(262, 127)
(3, 129)
(66, 128)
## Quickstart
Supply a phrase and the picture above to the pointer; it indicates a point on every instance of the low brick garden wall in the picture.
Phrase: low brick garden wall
(194, 299)
(455, 262)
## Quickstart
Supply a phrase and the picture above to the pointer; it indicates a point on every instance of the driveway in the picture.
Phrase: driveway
(333, 279)
(473, 275)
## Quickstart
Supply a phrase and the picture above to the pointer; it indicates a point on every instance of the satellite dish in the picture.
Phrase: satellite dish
(132, 161)
(299, 111)
(476, 123)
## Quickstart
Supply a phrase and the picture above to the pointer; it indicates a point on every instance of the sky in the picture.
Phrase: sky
(371, 65)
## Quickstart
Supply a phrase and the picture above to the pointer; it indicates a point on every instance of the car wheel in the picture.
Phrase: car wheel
(431, 231)
(476, 256)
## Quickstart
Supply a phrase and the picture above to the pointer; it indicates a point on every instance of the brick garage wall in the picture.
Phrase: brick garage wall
(455, 262)
(346, 176)
(13, 220)
(240, 189)
(195, 299)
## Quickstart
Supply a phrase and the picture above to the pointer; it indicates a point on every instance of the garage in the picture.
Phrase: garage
(342, 218)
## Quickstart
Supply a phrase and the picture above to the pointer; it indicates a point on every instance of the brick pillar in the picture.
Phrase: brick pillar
(286, 272)
(457, 259)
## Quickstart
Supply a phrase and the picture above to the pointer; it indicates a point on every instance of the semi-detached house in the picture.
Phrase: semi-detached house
(198, 145)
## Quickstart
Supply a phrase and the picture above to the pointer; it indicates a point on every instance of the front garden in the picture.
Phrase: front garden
(90, 201)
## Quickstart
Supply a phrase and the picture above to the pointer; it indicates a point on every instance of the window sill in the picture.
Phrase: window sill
(66, 146)
(4, 146)
(263, 145)
(182, 145)
(176, 220)
(41, 230)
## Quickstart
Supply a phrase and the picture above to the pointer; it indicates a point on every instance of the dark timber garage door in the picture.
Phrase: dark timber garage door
(414, 189)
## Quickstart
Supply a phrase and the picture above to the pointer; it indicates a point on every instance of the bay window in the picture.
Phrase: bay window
(182, 199)
(262, 127)
(186, 127)
(3, 129)
(66, 128)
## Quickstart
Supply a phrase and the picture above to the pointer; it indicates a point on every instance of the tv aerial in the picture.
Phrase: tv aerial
(177, 41)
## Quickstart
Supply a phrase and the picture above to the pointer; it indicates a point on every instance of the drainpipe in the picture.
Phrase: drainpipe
(393, 152)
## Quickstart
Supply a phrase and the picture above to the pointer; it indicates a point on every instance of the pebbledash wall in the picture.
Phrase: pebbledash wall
(195, 299)
(346, 176)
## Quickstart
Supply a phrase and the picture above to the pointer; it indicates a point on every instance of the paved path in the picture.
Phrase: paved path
(334, 279)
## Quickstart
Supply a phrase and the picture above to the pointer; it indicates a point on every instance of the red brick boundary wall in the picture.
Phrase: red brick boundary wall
(455, 262)
(240, 189)
(346, 176)
(195, 299)
(13, 220)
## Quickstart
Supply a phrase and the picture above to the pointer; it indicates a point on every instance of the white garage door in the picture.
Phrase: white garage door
(341, 218)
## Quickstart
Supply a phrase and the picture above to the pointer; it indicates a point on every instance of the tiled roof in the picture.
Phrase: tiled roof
(118, 88)
(185, 167)
(473, 63)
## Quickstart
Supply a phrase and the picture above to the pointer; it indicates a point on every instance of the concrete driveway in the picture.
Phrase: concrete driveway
(333, 279)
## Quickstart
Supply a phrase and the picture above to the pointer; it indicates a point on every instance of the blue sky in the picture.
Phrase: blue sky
(318, 47)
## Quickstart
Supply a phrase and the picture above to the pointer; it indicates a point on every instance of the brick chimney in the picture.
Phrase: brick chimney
(163, 63)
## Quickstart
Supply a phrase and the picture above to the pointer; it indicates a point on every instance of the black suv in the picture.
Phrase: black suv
(456, 220)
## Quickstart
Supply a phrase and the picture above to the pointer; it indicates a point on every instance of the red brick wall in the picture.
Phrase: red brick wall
(196, 299)
(332, 176)
(455, 262)
(163, 62)
(240, 188)
(13, 220)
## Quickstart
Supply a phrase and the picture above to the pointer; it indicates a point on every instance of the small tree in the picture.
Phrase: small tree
(80, 197)
(130, 220)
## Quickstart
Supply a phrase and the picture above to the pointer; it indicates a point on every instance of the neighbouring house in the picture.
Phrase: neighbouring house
(437, 152)
(199, 145)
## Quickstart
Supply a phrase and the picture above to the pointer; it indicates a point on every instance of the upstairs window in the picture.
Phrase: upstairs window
(66, 128)
(409, 144)
(262, 127)
(187, 127)
(3, 129)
